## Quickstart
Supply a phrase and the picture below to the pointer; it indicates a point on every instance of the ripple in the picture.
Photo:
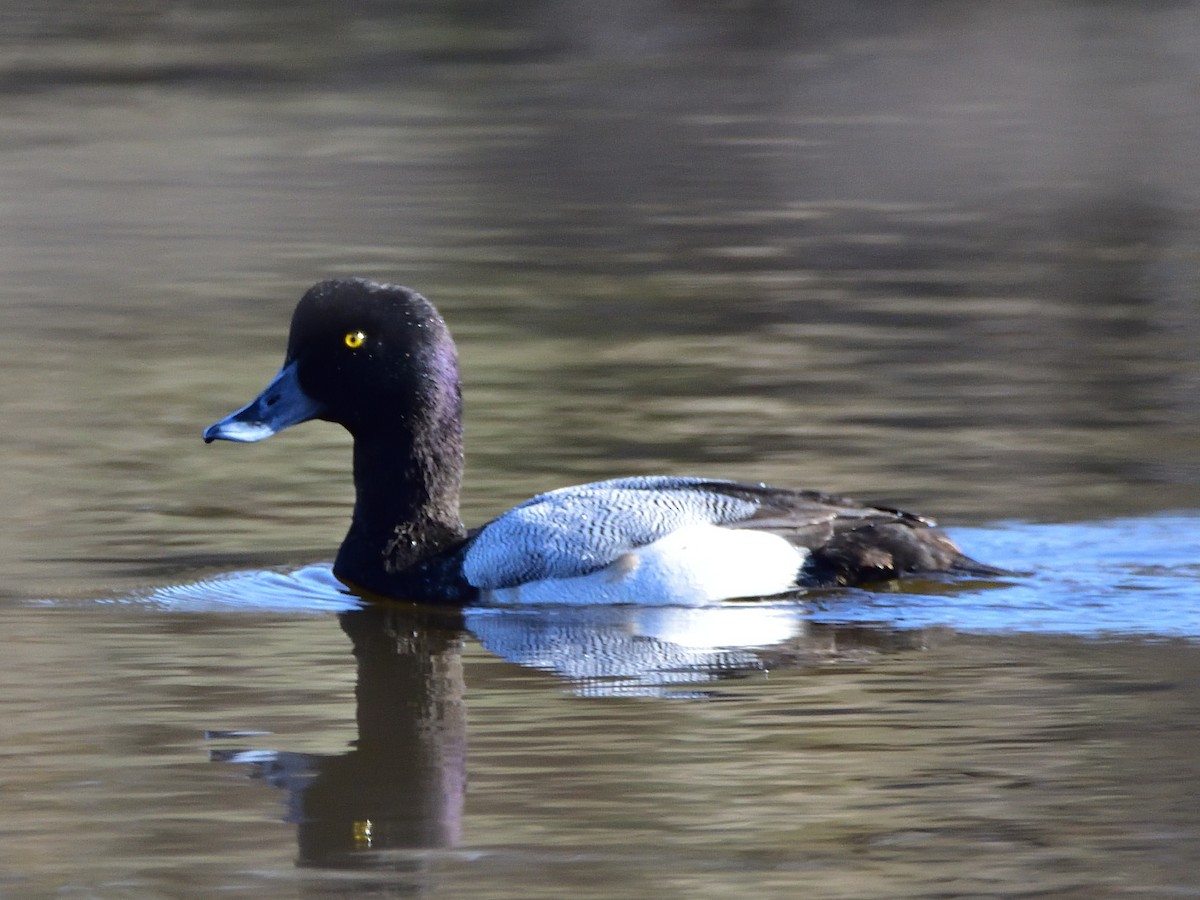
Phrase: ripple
(310, 589)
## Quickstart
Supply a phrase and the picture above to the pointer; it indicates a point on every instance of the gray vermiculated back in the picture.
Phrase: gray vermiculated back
(576, 530)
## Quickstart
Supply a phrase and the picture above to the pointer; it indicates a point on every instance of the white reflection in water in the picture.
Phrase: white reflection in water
(632, 650)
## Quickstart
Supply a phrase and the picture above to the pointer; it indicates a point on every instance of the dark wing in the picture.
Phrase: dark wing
(850, 542)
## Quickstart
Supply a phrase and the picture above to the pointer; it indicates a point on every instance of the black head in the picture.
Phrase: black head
(372, 357)
(368, 352)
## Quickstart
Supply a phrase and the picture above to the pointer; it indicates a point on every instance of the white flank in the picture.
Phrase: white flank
(691, 566)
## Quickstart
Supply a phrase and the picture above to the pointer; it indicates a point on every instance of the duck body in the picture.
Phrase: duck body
(379, 360)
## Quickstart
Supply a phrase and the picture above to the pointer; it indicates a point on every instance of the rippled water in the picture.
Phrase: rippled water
(939, 258)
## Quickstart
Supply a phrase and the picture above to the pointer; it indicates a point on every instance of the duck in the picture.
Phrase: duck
(379, 360)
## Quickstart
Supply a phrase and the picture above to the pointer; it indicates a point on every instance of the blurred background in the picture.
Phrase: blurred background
(939, 255)
(934, 254)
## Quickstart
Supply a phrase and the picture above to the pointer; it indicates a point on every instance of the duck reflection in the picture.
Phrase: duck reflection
(402, 785)
(642, 651)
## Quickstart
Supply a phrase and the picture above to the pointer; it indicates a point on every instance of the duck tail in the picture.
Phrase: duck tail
(886, 550)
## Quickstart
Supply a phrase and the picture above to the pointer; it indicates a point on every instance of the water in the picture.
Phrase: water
(937, 259)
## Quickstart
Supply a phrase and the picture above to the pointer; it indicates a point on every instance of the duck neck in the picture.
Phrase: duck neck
(406, 503)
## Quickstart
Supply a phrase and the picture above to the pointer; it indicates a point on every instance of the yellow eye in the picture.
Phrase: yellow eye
(354, 339)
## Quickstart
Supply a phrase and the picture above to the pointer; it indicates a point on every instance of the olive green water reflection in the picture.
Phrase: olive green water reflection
(867, 763)
(939, 256)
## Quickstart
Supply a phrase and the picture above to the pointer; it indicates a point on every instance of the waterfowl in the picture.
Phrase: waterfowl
(378, 359)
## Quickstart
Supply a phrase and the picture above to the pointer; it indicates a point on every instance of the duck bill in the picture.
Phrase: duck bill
(281, 404)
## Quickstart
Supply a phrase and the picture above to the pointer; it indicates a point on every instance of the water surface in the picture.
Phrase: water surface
(939, 258)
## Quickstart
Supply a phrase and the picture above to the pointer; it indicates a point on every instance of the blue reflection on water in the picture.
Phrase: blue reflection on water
(308, 589)
(1121, 577)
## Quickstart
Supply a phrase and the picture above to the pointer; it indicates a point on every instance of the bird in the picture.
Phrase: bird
(379, 360)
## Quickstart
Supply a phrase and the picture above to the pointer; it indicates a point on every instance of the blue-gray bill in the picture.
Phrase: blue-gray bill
(281, 404)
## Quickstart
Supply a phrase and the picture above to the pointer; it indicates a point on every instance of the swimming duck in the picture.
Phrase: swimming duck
(378, 359)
